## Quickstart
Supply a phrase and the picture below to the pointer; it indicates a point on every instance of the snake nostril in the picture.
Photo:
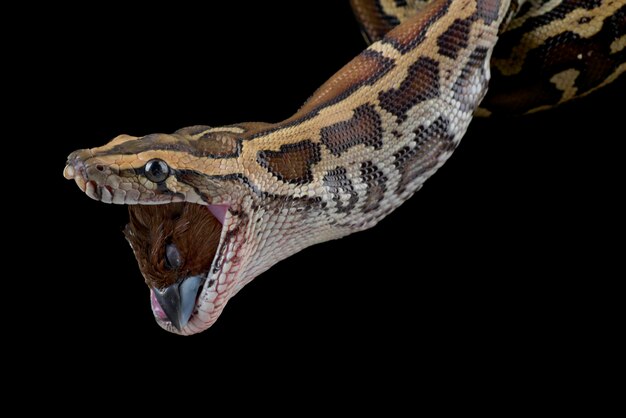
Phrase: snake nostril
(100, 167)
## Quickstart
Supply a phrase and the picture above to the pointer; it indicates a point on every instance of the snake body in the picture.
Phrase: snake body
(240, 198)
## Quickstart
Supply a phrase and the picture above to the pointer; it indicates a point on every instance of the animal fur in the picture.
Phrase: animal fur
(192, 228)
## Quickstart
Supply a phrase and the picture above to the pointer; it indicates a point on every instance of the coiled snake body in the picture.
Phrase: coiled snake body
(235, 200)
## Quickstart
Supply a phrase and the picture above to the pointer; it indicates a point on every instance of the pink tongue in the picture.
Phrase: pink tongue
(156, 308)
(219, 211)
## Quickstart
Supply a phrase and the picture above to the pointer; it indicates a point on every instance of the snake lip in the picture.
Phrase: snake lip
(93, 190)
(76, 169)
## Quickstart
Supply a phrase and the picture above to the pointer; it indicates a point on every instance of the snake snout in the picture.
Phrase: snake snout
(94, 178)
(75, 168)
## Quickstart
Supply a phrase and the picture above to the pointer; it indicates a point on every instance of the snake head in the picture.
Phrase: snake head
(158, 168)
(185, 229)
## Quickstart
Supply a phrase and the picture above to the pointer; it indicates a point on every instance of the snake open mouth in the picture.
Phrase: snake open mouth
(180, 249)
(187, 251)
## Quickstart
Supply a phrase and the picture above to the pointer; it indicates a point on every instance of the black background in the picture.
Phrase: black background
(493, 253)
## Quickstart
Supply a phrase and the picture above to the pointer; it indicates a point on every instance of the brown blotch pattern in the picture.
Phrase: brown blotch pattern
(374, 22)
(217, 145)
(511, 38)
(365, 69)
(365, 127)
(531, 87)
(252, 128)
(209, 145)
(293, 162)
(455, 38)
(431, 142)
(409, 35)
(487, 10)
(376, 185)
(564, 50)
(420, 84)
(152, 142)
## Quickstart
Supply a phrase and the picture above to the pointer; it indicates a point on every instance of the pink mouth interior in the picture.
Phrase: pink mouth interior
(219, 211)
(156, 308)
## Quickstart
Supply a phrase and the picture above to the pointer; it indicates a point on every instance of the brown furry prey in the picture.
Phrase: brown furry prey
(232, 201)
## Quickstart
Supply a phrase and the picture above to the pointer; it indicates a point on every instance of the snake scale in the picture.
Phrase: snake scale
(212, 208)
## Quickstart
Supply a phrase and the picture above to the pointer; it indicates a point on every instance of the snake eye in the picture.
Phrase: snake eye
(156, 170)
(172, 256)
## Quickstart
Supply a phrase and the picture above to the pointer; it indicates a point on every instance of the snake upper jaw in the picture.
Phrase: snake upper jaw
(118, 180)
